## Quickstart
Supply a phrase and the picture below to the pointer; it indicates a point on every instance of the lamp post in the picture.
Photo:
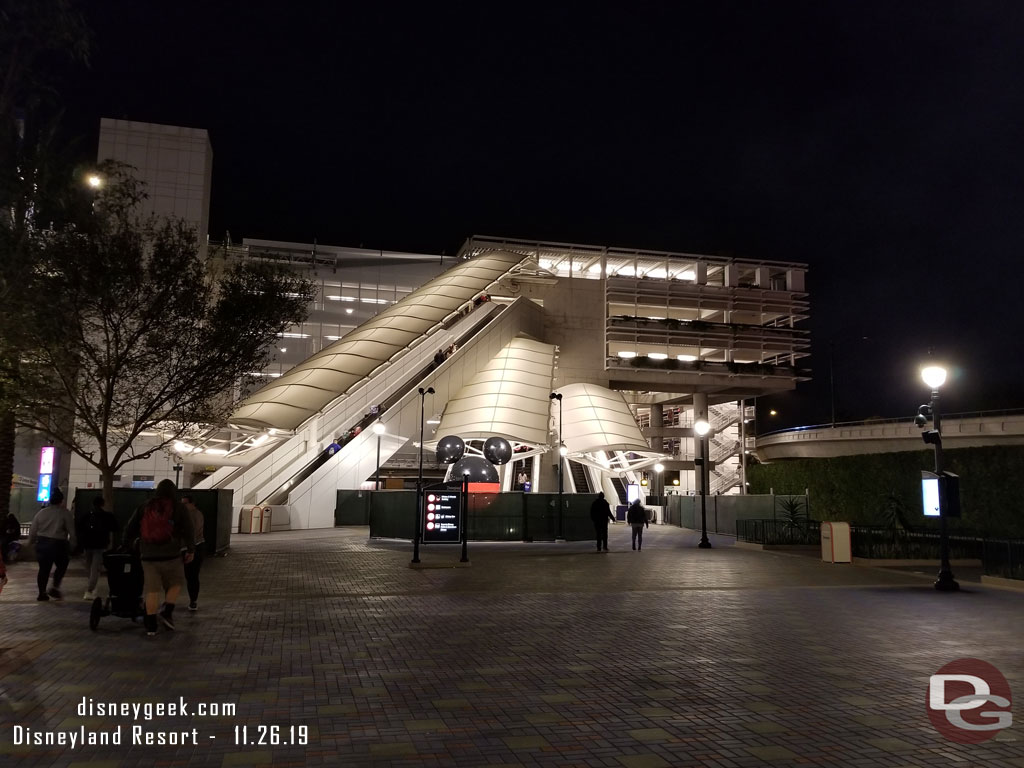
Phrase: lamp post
(419, 480)
(702, 427)
(935, 376)
(378, 430)
(658, 469)
(562, 450)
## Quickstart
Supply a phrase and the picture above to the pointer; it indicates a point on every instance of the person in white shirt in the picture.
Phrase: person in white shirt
(53, 534)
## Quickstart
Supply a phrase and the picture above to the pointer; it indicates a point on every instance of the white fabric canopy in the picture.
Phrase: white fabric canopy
(508, 398)
(597, 419)
(312, 385)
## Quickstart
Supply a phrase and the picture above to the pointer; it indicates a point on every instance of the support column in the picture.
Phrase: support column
(700, 411)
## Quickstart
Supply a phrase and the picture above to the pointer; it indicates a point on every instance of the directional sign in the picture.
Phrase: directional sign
(442, 513)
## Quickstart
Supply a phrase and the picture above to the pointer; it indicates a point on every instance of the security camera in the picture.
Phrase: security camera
(924, 415)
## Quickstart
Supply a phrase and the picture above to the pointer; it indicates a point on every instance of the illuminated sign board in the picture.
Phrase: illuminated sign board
(940, 494)
(632, 492)
(47, 475)
(46, 460)
(930, 496)
(442, 514)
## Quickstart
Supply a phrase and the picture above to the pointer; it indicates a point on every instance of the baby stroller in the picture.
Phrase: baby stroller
(124, 578)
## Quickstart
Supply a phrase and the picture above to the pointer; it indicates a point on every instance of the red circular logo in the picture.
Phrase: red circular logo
(968, 701)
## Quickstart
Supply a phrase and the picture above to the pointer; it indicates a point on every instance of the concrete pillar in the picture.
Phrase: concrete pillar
(700, 273)
(732, 275)
(794, 280)
(657, 425)
(761, 277)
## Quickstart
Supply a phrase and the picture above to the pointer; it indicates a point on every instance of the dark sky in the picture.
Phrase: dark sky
(880, 142)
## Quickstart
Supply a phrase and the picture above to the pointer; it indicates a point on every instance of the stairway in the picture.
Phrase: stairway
(620, 489)
(579, 477)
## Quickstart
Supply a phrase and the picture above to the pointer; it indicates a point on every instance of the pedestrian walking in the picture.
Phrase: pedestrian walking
(636, 516)
(192, 569)
(95, 531)
(10, 533)
(600, 514)
(164, 530)
(53, 534)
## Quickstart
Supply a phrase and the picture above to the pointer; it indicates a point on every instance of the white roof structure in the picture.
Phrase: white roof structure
(596, 419)
(308, 388)
(508, 398)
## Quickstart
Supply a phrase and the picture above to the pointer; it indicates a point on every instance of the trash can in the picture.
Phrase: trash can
(835, 542)
(251, 520)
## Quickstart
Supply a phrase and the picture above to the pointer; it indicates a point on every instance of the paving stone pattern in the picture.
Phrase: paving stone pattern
(536, 655)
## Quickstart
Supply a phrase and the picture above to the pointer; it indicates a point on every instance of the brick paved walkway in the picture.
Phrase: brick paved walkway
(537, 654)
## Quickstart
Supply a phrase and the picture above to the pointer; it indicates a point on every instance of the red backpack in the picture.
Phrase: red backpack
(157, 521)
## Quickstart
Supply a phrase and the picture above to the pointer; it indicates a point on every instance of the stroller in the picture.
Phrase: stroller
(124, 578)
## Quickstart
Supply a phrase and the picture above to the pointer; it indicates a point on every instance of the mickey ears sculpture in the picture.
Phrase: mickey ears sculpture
(450, 449)
(496, 450)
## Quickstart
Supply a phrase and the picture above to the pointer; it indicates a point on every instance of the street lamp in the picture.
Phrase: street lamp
(94, 180)
(378, 430)
(935, 376)
(419, 480)
(562, 451)
(658, 469)
(702, 427)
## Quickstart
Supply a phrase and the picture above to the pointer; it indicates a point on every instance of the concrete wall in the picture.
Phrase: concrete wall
(175, 163)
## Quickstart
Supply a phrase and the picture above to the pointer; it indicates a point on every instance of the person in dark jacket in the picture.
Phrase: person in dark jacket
(636, 516)
(95, 531)
(10, 532)
(162, 565)
(600, 514)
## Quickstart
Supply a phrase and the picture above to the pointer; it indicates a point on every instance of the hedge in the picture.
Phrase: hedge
(885, 488)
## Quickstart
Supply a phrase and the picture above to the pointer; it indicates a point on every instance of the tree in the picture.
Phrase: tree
(133, 332)
(34, 36)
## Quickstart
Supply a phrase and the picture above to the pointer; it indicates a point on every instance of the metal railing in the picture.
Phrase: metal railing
(899, 544)
(779, 532)
(1003, 558)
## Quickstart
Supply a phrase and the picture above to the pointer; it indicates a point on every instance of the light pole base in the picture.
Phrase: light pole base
(704, 544)
(946, 582)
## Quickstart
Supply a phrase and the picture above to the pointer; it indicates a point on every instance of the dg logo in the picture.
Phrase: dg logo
(969, 701)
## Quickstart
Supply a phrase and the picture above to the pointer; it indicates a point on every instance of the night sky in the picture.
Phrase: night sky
(880, 142)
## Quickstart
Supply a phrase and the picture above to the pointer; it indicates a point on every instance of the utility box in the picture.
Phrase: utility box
(835, 542)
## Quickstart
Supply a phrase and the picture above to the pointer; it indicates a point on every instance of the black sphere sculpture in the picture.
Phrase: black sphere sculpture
(479, 469)
(497, 450)
(450, 449)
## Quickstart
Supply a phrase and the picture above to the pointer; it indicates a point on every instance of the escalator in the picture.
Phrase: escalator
(579, 477)
(519, 467)
(620, 489)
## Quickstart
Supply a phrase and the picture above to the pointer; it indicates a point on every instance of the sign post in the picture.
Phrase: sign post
(442, 513)
(465, 515)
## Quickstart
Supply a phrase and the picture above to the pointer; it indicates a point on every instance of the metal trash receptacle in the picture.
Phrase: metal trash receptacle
(265, 520)
(835, 542)
(250, 520)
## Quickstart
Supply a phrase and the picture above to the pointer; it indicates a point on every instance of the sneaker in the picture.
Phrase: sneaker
(634, 547)
(43, 596)
(89, 595)
(150, 622)
(165, 617)
(193, 607)
(56, 594)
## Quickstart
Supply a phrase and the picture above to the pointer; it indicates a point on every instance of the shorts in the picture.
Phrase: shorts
(163, 574)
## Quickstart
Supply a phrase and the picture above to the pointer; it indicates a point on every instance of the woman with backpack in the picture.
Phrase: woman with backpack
(163, 530)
